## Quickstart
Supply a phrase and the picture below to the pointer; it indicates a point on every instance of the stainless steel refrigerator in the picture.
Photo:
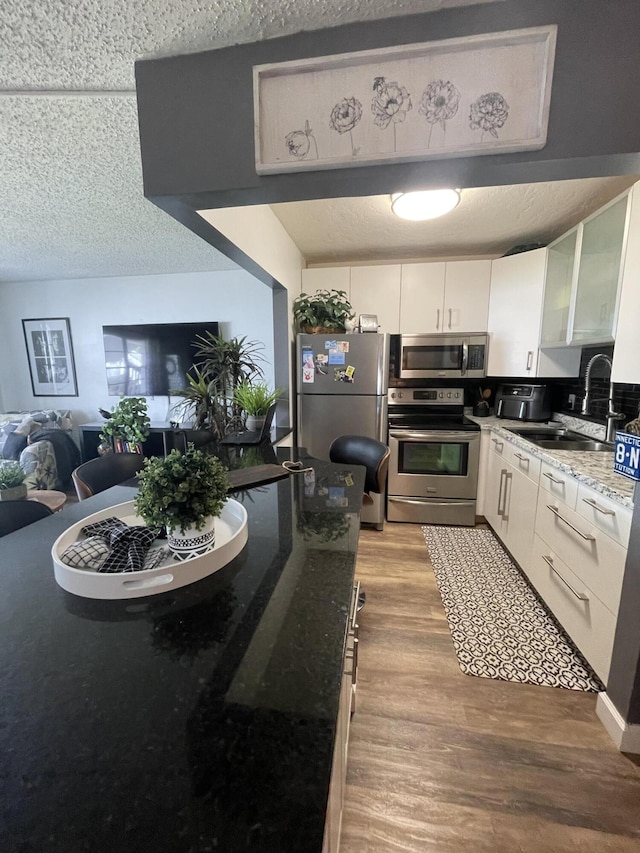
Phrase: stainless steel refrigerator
(342, 390)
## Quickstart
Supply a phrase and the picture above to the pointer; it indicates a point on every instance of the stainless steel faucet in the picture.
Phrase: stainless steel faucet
(612, 416)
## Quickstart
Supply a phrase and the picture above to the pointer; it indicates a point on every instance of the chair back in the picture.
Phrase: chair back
(99, 474)
(17, 514)
(362, 450)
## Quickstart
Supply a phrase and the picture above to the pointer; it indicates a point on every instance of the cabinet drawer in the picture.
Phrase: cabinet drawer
(605, 514)
(559, 484)
(592, 556)
(525, 462)
(499, 445)
(584, 617)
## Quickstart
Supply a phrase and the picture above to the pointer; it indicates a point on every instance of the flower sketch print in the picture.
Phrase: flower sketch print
(390, 104)
(344, 117)
(299, 142)
(488, 114)
(439, 104)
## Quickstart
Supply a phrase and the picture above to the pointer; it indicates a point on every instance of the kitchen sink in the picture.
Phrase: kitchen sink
(560, 438)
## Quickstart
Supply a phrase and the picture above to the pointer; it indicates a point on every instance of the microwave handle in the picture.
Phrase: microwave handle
(499, 412)
(465, 357)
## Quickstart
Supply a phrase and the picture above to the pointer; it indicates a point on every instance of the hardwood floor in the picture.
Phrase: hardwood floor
(442, 761)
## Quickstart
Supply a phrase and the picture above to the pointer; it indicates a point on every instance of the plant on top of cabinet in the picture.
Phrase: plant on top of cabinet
(324, 311)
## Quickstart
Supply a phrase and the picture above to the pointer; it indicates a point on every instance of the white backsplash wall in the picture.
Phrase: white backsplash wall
(238, 301)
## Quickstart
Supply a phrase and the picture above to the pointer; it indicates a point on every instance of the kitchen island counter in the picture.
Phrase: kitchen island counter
(201, 719)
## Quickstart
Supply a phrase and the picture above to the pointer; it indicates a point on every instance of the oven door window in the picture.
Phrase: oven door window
(443, 458)
(432, 357)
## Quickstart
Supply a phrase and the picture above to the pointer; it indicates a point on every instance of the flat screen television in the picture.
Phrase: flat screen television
(149, 360)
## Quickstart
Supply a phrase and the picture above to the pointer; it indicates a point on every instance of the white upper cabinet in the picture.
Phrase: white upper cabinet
(466, 296)
(515, 310)
(376, 290)
(448, 297)
(583, 280)
(422, 298)
(626, 354)
(326, 278)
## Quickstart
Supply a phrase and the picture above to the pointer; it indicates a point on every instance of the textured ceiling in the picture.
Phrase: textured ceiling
(487, 222)
(70, 175)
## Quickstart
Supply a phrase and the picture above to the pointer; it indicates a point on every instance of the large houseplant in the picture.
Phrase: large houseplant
(127, 426)
(322, 312)
(222, 366)
(183, 492)
(255, 400)
(12, 485)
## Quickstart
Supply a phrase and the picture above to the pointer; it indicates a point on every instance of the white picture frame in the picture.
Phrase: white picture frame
(50, 355)
(484, 94)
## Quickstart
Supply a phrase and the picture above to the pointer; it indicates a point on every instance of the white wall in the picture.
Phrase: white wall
(238, 301)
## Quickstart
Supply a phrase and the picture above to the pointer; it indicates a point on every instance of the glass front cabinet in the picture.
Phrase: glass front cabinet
(582, 283)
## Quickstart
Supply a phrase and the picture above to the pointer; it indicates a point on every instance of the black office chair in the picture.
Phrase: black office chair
(99, 474)
(374, 455)
(17, 514)
(361, 450)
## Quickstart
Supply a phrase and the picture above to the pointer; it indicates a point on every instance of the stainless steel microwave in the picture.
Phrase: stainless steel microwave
(441, 356)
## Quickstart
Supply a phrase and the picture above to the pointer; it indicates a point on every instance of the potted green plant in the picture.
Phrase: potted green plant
(12, 485)
(255, 400)
(183, 492)
(127, 426)
(322, 312)
(209, 396)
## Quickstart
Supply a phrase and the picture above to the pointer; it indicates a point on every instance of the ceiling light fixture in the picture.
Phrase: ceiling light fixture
(424, 204)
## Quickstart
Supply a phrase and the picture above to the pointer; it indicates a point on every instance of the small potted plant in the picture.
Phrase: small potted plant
(183, 492)
(127, 426)
(323, 312)
(255, 399)
(12, 485)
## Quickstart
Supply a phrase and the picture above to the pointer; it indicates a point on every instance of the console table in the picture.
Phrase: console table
(162, 438)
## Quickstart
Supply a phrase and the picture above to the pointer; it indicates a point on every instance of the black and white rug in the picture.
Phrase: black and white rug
(500, 628)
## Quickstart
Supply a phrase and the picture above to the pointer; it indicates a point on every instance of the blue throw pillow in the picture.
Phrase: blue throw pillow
(13, 446)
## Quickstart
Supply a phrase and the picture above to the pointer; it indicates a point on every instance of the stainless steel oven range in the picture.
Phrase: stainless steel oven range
(435, 452)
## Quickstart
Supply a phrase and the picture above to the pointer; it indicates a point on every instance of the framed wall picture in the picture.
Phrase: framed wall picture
(482, 94)
(50, 354)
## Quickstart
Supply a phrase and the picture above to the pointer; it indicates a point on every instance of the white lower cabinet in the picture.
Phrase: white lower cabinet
(578, 567)
(584, 617)
(569, 539)
(510, 498)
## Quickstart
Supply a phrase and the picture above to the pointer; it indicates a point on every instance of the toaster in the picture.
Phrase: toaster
(523, 402)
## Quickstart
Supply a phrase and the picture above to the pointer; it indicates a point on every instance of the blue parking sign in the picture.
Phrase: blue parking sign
(627, 455)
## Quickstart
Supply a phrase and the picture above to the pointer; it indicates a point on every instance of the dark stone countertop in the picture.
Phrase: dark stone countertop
(196, 720)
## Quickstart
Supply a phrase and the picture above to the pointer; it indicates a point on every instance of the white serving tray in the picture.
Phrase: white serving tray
(231, 537)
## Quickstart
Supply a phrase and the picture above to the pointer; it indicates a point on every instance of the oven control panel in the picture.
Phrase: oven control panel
(426, 396)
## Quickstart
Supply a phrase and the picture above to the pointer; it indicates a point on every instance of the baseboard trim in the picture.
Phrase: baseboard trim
(625, 737)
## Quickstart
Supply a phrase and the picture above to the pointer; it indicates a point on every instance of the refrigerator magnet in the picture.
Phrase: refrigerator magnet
(336, 357)
(349, 372)
(330, 344)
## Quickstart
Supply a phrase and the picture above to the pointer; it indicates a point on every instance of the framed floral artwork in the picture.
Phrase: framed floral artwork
(50, 356)
(485, 94)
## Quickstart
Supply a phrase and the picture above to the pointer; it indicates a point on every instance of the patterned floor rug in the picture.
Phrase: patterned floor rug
(500, 628)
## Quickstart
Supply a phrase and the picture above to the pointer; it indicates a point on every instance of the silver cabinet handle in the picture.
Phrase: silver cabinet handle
(591, 502)
(580, 595)
(450, 313)
(529, 359)
(437, 318)
(587, 536)
(354, 606)
(553, 479)
(497, 442)
(503, 480)
(507, 499)
(522, 458)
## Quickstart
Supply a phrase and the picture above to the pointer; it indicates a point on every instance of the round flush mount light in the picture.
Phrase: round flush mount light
(424, 204)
